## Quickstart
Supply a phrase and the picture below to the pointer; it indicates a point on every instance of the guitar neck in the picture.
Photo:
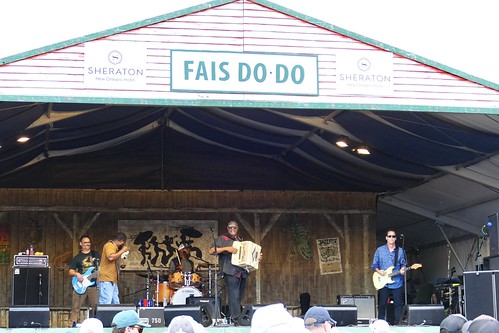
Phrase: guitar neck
(407, 268)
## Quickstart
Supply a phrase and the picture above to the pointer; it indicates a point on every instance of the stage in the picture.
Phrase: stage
(232, 329)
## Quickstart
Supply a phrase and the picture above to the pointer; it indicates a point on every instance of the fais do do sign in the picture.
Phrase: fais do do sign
(234, 72)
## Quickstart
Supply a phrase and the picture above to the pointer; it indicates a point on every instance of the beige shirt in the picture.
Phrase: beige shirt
(108, 271)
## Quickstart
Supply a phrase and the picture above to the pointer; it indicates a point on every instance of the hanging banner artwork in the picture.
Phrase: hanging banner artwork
(154, 243)
(4, 243)
(329, 255)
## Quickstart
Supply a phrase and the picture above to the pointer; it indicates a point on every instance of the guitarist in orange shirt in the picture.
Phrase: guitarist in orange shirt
(83, 269)
(387, 258)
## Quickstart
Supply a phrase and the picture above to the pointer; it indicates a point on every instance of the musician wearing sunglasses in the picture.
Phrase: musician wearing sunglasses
(127, 321)
(233, 276)
(390, 261)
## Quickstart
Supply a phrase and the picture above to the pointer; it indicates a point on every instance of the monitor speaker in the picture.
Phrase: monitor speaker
(422, 314)
(106, 312)
(30, 285)
(247, 313)
(344, 315)
(153, 316)
(29, 316)
(199, 313)
(209, 302)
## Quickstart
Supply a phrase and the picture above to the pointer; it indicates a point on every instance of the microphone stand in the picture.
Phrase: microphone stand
(217, 305)
(405, 274)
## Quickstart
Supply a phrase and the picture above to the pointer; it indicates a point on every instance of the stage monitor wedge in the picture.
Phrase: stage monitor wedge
(422, 314)
(106, 312)
(29, 316)
(199, 313)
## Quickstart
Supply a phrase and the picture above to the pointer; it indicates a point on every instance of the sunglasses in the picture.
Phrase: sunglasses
(232, 227)
(391, 236)
(138, 328)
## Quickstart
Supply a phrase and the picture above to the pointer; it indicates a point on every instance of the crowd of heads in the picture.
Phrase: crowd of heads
(457, 323)
(275, 318)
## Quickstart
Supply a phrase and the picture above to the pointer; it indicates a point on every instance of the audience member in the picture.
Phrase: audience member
(91, 325)
(317, 319)
(185, 324)
(379, 326)
(484, 326)
(127, 321)
(452, 323)
(275, 318)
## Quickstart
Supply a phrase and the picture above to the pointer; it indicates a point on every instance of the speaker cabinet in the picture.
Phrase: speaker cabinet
(209, 302)
(366, 306)
(247, 313)
(345, 315)
(200, 313)
(153, 316)
(481, 293)
(30, 285)
(422, 314)
(29, 316)
(106, 312)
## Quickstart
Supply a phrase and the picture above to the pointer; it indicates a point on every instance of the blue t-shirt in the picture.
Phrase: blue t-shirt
(384, 258)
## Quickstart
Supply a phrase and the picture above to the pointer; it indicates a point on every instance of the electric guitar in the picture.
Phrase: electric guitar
(380, 281)
(88, 276)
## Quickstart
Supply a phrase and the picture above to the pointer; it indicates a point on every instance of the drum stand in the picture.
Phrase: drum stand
(156, 292)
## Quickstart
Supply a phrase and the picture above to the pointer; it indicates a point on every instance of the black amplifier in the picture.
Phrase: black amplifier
(23, 260)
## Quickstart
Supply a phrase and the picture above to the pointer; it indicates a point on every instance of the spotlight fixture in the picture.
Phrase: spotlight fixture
(23, 138)
(363, 150)
(342, 142)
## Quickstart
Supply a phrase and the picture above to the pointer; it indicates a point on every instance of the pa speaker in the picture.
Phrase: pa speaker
(29, 316)
(479, 295)
(199, 313)
(247, 313)
(344, 315)
(422, 314)
(30, 286)
(209, 302)
(106, 312)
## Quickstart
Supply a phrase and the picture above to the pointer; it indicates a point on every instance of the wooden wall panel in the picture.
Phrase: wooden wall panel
(55, 219)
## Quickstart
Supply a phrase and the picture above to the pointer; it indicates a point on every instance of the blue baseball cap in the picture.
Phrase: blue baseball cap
(127, 318)
(317, 315)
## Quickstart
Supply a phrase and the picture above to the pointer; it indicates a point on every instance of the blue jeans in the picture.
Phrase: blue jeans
(236, 288)
(398, 302)
(108, 293)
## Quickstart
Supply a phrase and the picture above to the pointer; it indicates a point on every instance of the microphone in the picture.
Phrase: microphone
(211, 228)
(486, 227)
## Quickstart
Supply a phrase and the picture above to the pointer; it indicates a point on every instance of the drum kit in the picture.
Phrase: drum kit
(174, 288)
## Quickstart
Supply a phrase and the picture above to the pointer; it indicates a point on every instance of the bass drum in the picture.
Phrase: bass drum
(180, 296)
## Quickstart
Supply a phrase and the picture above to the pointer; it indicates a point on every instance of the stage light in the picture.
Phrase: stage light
(342, 142)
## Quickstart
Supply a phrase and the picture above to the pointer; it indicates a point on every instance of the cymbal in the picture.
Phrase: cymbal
(204, 264)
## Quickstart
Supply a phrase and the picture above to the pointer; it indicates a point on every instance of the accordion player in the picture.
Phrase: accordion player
(247, 255)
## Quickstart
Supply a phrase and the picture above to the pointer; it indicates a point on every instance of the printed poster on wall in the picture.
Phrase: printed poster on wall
(329, 255)
(155, 242)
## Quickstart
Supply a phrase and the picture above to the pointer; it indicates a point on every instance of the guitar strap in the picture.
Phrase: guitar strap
(396, 257)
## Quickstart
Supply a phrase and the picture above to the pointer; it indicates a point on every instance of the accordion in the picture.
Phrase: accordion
(247, 255)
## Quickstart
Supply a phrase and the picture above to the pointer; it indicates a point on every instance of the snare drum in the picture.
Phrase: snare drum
(176, 280)
(164, 293)
(180, 296)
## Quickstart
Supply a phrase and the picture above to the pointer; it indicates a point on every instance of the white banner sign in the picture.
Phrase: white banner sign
(364, 73)
(232, 72)
(115, 65)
